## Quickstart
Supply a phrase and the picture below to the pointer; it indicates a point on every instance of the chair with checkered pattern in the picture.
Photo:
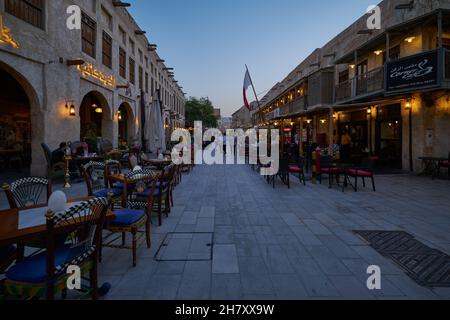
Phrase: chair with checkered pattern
(95, 176)
(28, 192)
(44, 275)
(134, 217)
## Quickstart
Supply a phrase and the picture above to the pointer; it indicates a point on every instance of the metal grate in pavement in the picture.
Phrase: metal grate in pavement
(186, 247)
(426, 266)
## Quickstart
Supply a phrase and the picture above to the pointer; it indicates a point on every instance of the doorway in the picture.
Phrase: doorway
(15, 125)
(389, 136)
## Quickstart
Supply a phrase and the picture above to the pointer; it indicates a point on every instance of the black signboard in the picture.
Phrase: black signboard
(413, 72)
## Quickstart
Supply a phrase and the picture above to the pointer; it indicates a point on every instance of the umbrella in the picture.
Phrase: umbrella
(155, 133)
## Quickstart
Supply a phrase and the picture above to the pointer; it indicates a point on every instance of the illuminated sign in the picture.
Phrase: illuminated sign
(89, 70)
(5, 35)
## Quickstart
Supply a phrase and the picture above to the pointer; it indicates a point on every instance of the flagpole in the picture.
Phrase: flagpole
(254, 91)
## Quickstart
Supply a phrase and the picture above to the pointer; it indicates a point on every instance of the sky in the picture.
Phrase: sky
(208, 42)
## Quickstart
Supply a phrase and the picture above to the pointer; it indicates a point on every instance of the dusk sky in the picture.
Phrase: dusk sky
(208, 42)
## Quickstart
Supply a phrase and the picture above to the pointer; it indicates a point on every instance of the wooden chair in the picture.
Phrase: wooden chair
(54, 169)
(133, 218)
(45, 275)
(7, 257)
(161, 194)
(28, 192)
(95, 177)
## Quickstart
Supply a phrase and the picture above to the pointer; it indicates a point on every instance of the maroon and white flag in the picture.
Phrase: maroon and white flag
(247, 84)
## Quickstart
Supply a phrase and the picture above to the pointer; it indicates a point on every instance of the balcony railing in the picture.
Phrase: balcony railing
(293, 107)
(369, 82)
(447, 64)
(344, 90)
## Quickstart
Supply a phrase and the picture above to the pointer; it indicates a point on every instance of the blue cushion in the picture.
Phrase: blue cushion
(126, 217)
(104, 193)
(6, 252)
(34, 269)
(118, 185)
(146, 193)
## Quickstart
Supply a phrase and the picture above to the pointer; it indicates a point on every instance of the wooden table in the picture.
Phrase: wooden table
(19, 226)
(160, 164)
(431, 165)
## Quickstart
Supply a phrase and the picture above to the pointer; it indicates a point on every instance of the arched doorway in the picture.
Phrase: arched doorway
(126, 124)
(15, 124)
(95, 120)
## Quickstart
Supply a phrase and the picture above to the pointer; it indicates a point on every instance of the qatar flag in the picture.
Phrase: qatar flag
(247, 84)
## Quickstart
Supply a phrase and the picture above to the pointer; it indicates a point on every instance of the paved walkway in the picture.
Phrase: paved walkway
(280, 244)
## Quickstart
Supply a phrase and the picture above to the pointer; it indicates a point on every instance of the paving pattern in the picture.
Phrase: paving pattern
(280, 243)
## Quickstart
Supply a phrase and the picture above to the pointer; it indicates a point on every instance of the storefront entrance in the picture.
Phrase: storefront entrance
(15, 125)
(126, 124)
(95, 120)
(389, 136)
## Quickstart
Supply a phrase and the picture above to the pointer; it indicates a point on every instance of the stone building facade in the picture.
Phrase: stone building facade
(64, 82)
(243, 118)
(389, 88)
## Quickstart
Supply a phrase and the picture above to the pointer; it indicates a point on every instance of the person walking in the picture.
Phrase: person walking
(346, 143)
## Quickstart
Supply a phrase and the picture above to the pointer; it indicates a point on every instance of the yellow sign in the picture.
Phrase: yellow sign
(91, 71)
(5, 35)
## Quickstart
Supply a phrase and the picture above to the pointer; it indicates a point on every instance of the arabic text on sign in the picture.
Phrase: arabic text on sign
(90, 70)
(5, 35)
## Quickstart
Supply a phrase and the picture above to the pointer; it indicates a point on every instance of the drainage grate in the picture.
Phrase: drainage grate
(186, 247)
(426, 266)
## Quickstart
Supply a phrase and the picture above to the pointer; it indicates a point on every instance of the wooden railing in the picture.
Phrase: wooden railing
(344, 90)
(369, 82)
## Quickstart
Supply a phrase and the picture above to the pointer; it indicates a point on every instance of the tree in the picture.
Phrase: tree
(200, 110)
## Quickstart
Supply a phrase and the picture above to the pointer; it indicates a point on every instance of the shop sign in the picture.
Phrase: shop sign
(88, 70)
(5, 35)
(418, 71)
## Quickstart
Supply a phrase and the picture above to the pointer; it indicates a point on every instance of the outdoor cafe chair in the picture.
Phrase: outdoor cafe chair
(113, 167)
(161, 193)
(44, 275)
(28, 192)
(283, 173)
(54, 169)
(365, 171)
(326, 167)
(95, 176)
(298, 170)
(133, 218)
(444, 164)
(7, 256)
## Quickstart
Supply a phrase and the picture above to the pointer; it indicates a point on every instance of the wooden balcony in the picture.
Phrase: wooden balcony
(362, 85)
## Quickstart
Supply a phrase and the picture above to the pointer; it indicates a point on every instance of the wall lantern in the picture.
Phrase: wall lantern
(308, 121)
(369, 111)
(323, 121)
(410, 39)
(352, 66)
(71, 108)
(408, 104)
(378, 52)
(335, 115)
(119, 116)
